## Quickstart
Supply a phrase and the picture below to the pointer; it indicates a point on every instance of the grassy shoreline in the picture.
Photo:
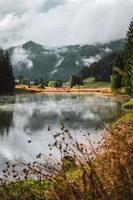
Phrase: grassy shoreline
(100, 88)
(128, 105)
(100, 91)
(49, 89)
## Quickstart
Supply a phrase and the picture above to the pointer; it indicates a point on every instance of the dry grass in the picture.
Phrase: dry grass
(34, 89)
(105, 173)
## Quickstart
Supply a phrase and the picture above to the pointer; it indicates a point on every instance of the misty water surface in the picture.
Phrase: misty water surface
(27, 117)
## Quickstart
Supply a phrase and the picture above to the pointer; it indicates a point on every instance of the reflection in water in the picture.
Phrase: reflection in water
(6, 115)
(28, 117)
(75, 111)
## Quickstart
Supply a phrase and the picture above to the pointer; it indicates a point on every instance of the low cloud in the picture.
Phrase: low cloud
(21, 57)
(88, 61)
(106, 50)
(63, 22)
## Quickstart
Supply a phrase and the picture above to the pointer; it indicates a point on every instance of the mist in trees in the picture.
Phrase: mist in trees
(100, 70)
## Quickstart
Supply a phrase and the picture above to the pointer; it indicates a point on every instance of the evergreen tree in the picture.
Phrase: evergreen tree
(76, 80)
(6, 74)
(115, 81)
(118, 72)
(128, 58)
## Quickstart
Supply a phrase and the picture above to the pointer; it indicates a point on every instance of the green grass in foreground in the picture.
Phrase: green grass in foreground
(128, 105)
(94, 85)
(127, 118)
(97, 85)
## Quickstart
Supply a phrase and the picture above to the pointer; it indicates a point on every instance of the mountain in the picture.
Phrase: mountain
(37, 61)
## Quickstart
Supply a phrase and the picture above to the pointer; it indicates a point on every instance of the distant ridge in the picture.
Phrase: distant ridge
(59, 62)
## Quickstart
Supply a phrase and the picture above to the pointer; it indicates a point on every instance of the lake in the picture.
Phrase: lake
(33, 117)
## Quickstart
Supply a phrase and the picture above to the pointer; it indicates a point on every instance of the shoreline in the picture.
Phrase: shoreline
(50, 89)
(104, 91)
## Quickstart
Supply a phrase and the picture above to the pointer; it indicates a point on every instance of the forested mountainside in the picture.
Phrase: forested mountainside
(102, 69)
(37, 61)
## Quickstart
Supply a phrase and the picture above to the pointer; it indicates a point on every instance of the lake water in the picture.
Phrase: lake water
(26, 118)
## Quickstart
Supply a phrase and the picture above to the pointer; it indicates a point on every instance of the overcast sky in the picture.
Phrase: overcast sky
(63, 22)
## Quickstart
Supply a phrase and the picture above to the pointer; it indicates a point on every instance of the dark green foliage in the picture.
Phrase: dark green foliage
(36, 82)
(76, 80)
(123, 69)
(118, 72)
(101, 70)
(128, 58)
(57, 83)
(6, 74)
(6, 116)
(41, 86)
(39, 83)
(23, 80)
(115, 81)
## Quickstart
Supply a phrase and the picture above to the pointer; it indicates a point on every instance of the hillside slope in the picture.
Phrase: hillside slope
(102, 69)
(37, 61)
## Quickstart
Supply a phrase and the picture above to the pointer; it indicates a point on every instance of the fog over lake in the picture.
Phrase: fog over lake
(27, 117)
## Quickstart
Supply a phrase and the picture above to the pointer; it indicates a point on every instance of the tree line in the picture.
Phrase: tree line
(123, 70)
(39, 83)
(6, 74)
